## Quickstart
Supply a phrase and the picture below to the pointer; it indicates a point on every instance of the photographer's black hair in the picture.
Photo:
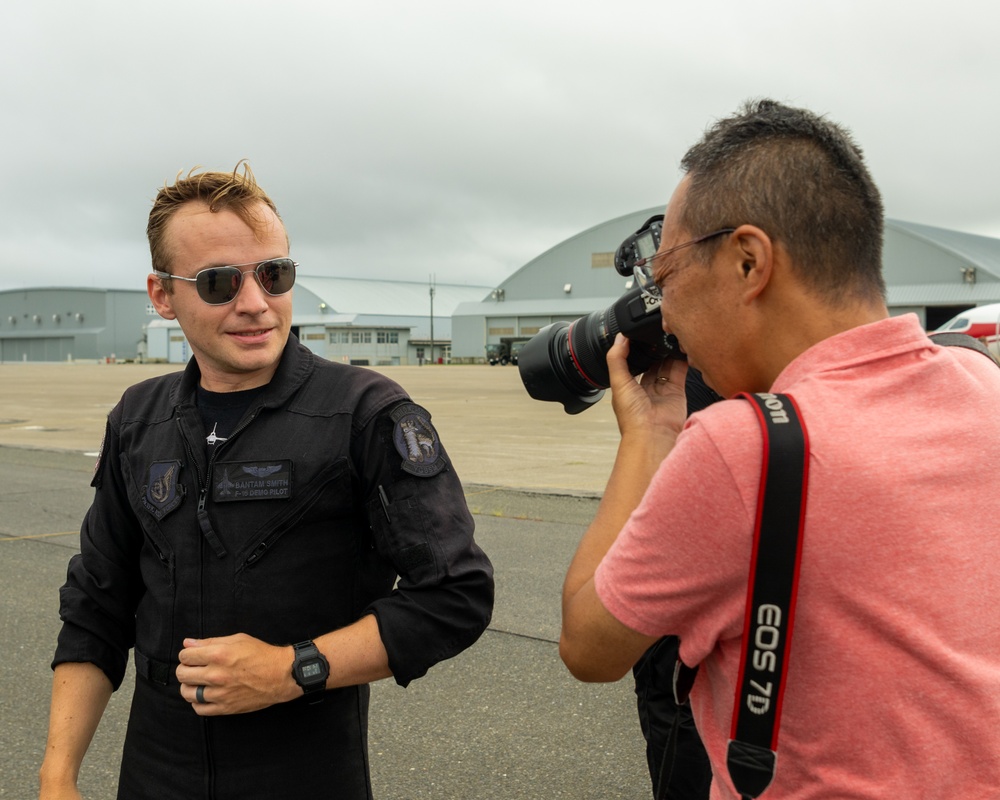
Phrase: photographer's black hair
(800, 178)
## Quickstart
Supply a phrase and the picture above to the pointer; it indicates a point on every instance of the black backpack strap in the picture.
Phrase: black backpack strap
(773, 583)
(961, 340)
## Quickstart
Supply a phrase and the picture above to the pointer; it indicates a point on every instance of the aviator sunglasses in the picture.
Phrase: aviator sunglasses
(220, 285)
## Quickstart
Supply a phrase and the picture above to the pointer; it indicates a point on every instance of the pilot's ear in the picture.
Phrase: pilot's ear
(161, 299)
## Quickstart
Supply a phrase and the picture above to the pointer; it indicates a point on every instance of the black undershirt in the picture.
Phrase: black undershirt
(221, 412)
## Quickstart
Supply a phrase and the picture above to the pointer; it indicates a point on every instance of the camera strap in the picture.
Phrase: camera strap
(773, 583)
(770, 608)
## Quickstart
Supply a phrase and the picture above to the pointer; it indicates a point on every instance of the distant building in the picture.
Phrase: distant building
(352, 320)
(933, 272)
(66, 324)
(378, 322)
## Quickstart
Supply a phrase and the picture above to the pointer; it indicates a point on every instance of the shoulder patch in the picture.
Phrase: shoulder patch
(416, 441)
(95, 479)
(162, 492)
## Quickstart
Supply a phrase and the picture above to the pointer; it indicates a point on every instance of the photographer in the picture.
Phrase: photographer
(769, 269)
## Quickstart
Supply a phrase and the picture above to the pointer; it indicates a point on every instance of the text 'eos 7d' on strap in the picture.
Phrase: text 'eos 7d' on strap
(774, 577)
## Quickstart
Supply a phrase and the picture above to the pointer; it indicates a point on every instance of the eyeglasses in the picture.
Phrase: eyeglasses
(643, 269)
(220, 285)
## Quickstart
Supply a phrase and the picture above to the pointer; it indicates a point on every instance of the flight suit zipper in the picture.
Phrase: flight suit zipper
(204, 523)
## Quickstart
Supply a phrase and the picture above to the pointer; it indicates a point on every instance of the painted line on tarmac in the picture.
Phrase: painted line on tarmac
(490, 490)
(37, 536)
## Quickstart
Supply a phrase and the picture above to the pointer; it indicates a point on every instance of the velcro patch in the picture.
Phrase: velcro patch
(251, 480)
(415, 556)
(416, 441)
(162, 492)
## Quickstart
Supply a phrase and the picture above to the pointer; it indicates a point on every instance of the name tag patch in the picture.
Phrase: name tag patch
(251, 480)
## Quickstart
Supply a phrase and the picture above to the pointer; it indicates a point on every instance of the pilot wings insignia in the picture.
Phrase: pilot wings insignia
(261, 472)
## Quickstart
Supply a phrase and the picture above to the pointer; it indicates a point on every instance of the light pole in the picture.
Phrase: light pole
(432, 317)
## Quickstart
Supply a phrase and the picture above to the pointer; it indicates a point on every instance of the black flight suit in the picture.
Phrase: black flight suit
(331, 486)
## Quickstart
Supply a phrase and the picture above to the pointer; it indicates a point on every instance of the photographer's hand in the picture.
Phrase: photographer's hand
(656, 405)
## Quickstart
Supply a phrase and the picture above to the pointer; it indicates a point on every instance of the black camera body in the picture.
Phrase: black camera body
(566, 362)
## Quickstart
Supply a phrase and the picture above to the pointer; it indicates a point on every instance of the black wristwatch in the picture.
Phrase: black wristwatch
(310, 670)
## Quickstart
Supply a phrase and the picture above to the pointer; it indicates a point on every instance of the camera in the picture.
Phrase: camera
(566, 362)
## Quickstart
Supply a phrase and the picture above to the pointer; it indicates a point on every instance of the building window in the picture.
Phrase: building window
(366, 337)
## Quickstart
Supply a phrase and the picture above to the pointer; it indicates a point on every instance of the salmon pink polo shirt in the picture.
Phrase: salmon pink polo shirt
(893, 686)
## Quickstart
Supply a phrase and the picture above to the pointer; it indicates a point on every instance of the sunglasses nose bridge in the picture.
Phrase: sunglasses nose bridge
(257, 294)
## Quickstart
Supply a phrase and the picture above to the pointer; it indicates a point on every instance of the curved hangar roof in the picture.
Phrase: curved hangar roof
(923, 265)
(927, 266)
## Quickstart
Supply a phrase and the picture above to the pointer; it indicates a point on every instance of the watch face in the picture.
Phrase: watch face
(311, 669)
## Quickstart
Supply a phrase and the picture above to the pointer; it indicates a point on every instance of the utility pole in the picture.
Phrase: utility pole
(432, 317)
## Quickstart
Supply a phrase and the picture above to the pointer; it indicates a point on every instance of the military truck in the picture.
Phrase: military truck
(505, 351)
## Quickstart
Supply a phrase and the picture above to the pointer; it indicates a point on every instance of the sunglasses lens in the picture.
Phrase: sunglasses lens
(276, 276)
(219, 285)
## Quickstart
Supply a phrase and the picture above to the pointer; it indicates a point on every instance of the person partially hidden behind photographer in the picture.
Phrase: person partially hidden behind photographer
(769, 269)
(675, 756)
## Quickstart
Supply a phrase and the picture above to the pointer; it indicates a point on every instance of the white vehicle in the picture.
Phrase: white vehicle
(981, 322)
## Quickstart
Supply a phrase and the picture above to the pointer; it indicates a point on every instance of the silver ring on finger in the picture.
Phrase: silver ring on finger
(199, 695)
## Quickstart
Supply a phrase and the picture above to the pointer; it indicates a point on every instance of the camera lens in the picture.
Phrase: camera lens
(549, 370)
(567, 362)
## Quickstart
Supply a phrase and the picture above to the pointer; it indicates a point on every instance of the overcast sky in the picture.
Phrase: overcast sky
(406, 139)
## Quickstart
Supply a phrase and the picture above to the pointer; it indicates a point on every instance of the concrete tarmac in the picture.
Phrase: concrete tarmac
(502, 720)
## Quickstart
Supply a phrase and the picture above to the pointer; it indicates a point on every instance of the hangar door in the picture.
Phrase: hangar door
(25, 349)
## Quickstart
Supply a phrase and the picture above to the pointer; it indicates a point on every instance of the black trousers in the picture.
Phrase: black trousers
(688, 775)
(292, 749)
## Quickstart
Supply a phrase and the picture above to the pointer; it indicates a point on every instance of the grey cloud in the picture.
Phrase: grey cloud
(404, 139)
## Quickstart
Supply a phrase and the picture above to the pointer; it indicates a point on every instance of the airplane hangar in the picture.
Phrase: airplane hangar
(933, 272)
